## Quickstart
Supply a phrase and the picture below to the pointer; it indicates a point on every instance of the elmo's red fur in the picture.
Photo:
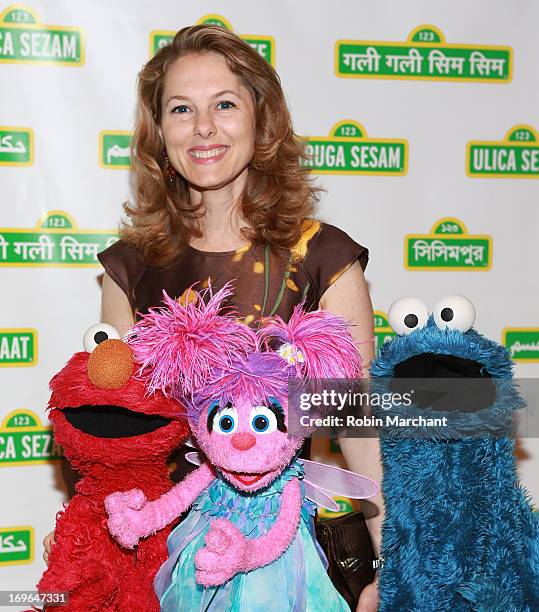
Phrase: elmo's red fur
(85, 560)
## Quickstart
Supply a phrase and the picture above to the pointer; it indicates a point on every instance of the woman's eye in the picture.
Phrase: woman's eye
(226, 105)
(226, 421)
(180, 110)
(262, 420)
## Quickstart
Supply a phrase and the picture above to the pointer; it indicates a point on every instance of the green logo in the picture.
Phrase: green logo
(345, 506)
(24, 39)
(522, 343)
(516, 156)
(18, 347)
(448, 247)
(424, 55)
(55, 242)
(348, 150)
(16, 146)
(383, 332)
(114, 150)
(264, 45)
(24, 440)
(16, 545)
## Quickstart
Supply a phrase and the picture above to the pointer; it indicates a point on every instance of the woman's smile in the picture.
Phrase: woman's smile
(209, 154)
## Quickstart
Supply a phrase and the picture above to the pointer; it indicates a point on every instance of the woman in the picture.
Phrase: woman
(220, 195)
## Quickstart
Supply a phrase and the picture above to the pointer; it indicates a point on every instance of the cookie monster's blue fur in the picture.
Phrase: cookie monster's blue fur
(459, 532)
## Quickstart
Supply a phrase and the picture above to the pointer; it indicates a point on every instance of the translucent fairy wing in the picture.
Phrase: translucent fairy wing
(337, 481)
(194, 457)
(317, 496)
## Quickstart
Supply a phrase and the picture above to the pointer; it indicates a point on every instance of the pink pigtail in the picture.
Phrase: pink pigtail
(178, 345)
(317, 344)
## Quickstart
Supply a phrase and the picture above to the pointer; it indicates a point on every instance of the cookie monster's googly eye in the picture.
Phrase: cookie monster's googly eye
(226, 421)
(262, 420)
(99, 333)
(406, 315)
(454, 312)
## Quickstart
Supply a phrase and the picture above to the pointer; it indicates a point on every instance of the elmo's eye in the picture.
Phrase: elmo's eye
(454, 312)
(262, 420)
(99, 333)
(406, 315)
(226, 421)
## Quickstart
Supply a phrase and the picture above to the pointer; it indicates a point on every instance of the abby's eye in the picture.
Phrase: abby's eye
(226, 421)
(99, 333)
(406, 315)
(454, 312)
(226, 105)
(262, 420)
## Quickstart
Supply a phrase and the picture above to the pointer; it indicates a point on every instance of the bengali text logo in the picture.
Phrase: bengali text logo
(425, 55)
(448, 247)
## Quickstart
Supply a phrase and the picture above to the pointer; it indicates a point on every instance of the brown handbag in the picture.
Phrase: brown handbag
(348, 547)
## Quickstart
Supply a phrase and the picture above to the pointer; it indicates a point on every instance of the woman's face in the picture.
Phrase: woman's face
(207, 121)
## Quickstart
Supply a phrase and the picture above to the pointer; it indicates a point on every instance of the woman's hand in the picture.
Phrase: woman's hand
(368, 600)
(48, 543)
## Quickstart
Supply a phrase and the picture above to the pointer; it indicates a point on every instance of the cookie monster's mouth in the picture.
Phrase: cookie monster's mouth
(447, 382)
(113, 421)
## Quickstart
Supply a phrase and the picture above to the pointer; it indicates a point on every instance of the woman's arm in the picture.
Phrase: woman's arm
(349, 297)
(115, 307)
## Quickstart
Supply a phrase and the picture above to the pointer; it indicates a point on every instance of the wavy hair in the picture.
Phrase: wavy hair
(278, 195)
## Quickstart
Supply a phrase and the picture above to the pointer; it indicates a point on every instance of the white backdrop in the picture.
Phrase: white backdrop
(68, 88)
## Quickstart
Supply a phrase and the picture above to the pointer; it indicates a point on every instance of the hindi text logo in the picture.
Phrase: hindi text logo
(425, 55)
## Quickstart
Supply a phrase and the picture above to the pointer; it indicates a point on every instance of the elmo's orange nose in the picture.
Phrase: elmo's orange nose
(111, 364)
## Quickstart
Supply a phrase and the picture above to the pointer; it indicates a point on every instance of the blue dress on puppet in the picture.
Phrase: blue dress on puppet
(459, 532)
(303, 583)
(247, 543)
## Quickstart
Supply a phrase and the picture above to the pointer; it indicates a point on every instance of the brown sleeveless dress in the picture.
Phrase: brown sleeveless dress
(263, 285)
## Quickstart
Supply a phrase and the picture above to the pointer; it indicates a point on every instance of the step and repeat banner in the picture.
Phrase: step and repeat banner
(421, 121)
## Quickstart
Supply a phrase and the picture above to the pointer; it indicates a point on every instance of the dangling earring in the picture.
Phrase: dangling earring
(168, 171)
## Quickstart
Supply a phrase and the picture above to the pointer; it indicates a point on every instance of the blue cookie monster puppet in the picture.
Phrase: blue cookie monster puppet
(459, 532)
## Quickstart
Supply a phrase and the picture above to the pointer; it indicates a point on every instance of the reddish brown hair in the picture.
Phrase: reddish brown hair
(278, 195)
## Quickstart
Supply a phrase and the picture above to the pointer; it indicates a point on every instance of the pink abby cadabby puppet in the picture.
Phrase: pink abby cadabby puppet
(247, 542)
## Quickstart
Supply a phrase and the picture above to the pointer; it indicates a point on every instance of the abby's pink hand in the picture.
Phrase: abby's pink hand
(126, 520)
(223, 556)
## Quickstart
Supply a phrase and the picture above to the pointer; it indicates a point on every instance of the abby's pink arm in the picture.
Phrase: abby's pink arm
(265, 549)
(162, 511)
(132, 517)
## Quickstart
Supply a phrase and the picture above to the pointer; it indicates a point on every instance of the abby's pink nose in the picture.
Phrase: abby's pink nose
(243, 441)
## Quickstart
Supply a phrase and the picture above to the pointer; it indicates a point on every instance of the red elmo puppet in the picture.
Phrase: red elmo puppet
(116, 437)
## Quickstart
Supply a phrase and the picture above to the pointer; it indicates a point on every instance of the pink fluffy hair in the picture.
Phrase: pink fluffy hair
(199, 352)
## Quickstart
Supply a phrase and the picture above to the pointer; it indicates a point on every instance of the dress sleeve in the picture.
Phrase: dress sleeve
(124, 265)
(331, 252)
